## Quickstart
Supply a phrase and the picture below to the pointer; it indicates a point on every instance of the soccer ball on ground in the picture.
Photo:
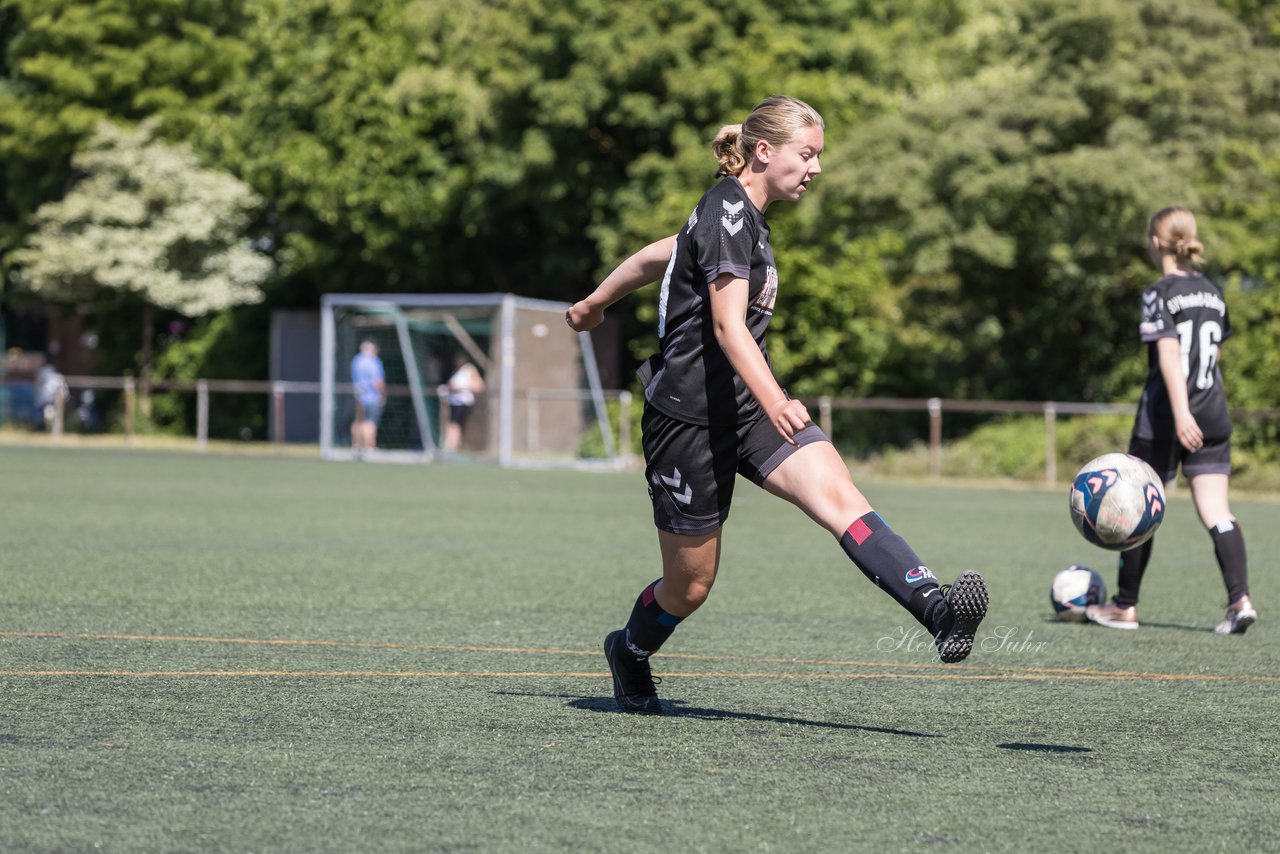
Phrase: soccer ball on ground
(1073, 589)
(1117, 502)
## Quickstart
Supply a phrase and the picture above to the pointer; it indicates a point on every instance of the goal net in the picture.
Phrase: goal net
(540, 400)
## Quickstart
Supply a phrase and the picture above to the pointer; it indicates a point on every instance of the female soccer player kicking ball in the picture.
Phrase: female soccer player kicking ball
(714, 410)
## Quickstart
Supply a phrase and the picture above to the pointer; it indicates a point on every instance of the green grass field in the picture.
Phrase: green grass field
(220, 653)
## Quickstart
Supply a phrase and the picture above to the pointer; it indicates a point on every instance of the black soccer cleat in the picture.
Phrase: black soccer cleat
(633, 681)
(965, 604)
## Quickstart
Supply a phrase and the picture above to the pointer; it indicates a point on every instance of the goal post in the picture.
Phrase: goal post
(541, 404)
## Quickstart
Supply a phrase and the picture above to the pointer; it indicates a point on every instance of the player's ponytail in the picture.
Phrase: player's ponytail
(1174, 229)
(774, 120)
(1189, 250)
(729, 152)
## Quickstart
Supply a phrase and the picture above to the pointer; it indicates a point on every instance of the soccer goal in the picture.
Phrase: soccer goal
(541, 402)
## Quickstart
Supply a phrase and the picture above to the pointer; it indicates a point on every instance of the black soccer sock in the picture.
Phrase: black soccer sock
(649, 626)
(1228, 545)
(886, 559)
(1133, 563)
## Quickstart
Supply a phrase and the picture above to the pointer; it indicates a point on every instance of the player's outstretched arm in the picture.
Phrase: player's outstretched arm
(640, 269)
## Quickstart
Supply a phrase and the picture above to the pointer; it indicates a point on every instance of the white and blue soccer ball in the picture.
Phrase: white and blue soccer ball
(1074, 589)
(1117, 502)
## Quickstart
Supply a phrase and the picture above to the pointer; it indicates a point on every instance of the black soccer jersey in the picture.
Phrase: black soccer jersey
(692, 379)
(1191, 309)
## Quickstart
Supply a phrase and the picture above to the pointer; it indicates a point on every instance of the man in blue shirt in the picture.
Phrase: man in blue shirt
(370, 380)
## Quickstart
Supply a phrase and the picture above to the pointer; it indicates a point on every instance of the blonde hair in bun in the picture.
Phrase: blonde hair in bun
(1175, 230)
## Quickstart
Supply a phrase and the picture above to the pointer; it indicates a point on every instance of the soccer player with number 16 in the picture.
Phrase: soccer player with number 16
(1182, 416)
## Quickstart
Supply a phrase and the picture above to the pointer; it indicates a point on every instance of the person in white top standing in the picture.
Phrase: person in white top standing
(463, 387)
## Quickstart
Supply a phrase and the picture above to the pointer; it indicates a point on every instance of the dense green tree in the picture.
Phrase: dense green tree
(978, 232)
(442, 146)
(1244, 251)
(66, 65)
(1262, 17)
(148, 221)
(1014, 198)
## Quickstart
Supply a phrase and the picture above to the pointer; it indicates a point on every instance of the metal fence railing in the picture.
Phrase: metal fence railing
(276, 391)
(933, 407)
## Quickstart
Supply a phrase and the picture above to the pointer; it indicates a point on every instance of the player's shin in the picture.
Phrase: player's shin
(649, 625)
(1133, 564)
(1228, 547)
(887, 559)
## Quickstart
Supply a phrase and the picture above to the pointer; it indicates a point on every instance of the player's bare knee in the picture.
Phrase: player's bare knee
(684, 599)
(847, 504)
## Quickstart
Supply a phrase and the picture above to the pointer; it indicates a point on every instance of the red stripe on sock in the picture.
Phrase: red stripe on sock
(647, 595)
(859, 531)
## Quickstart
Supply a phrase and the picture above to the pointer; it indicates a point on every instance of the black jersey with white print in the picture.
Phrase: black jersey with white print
(691, 379)
(1192, 310)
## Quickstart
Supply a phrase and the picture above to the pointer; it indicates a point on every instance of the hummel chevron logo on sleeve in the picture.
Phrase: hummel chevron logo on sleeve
(732, 219)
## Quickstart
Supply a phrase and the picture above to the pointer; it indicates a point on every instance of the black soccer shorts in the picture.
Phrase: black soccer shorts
(1164, 455)
(691, 468)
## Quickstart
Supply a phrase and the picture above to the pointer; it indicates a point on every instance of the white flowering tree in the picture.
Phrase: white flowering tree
(148, 220)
